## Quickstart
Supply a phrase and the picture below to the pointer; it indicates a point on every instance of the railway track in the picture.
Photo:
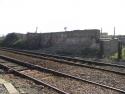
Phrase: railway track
(120, 69)
(116, 81)
(42, 76)
(21, 84)
(18, 70)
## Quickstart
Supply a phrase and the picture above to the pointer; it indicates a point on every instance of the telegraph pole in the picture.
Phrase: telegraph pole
(114, 33)
(36, 29)
(101, 32)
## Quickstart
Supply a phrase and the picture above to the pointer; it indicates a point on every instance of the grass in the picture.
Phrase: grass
(115, 56)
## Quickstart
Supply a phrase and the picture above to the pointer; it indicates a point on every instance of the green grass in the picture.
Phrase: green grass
(115, 56)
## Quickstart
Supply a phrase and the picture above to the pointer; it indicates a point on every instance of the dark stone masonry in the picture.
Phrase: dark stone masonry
(85, 43)
(69, 42)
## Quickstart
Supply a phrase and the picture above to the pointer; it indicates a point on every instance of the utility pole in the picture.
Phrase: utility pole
(101, 32)
(36, 29)
(114, 33)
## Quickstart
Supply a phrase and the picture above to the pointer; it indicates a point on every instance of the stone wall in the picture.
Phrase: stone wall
(110, 47)
(76, 41)
(122, 38)
(85, 43)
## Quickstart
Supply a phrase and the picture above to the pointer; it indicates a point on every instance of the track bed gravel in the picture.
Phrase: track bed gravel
(3, 89)
(86, 73)
(69, 85)
(25, 86)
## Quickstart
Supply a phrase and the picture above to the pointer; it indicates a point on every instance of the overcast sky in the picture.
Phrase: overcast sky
(53, 15)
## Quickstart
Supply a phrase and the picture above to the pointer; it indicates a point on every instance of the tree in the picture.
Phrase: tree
(10, 39)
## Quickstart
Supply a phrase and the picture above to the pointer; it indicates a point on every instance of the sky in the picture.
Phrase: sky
(24, 16)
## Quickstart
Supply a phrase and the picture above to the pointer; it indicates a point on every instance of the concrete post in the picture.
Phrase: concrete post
(119, 50)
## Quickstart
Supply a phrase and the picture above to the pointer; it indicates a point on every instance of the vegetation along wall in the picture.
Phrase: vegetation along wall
(77, 43)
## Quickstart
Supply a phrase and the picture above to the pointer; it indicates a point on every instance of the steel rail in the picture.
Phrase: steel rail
(64, 61)
(64, 57)
(56, 72)
(31, 78)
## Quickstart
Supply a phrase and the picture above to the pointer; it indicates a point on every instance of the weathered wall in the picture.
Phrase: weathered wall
(76, 43)
(122, 38)
(67, 42)
(110, 47)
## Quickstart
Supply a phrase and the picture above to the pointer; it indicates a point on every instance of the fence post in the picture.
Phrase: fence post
(119, 50)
